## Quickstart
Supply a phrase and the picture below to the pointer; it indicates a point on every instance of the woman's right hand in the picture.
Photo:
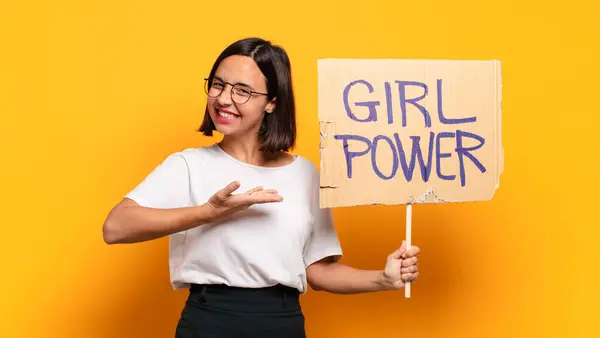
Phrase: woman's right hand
(224, 202)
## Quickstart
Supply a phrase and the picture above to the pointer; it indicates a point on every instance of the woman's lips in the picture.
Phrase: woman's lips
(225, 116)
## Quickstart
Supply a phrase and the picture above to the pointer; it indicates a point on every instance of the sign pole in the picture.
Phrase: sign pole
(408, 235)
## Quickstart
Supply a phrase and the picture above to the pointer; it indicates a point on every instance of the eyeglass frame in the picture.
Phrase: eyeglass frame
(252, 91)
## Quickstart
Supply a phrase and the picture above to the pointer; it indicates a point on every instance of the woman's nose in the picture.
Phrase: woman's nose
(225, 98)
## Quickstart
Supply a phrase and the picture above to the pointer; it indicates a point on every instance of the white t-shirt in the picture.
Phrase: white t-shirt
(265, 245)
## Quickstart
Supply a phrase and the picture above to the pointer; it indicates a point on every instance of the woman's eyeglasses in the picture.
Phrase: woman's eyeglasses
(240, 93)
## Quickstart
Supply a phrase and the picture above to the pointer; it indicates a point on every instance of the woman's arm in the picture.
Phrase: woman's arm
(328, 275)
(129, 222)
(339, 278)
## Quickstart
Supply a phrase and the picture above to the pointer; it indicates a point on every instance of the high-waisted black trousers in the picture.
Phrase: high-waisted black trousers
(219, 311)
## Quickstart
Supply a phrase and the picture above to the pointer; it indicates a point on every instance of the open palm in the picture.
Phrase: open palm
(224, 202)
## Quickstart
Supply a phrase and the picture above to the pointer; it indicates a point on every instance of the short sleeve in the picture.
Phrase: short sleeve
(166, 187)
(323, 240)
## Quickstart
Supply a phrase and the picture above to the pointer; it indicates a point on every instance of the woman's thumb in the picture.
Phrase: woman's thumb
(229, 189)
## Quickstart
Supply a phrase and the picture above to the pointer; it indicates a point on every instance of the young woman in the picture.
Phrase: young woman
(246, 232)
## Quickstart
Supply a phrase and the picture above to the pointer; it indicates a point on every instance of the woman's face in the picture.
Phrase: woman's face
(228, 112)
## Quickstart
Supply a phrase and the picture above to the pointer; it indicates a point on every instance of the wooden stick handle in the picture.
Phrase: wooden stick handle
(408, 235)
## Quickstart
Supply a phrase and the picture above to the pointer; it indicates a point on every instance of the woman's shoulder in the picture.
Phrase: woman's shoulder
(189, 155)
(206, 150)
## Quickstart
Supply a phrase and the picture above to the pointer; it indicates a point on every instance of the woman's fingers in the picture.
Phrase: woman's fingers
(228, 190)
(253, 190)
(413, 251)
(265, 197)
(398, 253)
(261, 189)
(269, 191)
(257, 198)
(409, 261)
(410, 269)
(410, 277)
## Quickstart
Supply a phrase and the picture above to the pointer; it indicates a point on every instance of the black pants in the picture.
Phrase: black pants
(219, 311)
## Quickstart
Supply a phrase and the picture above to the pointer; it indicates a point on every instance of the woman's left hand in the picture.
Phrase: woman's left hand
(401, 267)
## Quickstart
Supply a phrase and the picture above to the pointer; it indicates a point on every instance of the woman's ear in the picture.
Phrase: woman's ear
(271, 106)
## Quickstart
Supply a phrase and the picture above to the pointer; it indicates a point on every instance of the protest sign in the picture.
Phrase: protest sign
(409, 131)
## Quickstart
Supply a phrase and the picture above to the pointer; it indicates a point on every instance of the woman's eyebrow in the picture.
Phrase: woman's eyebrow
(239, 83)
(245, 84)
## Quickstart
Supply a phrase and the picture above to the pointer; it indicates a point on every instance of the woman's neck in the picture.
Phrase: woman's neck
(248, 151)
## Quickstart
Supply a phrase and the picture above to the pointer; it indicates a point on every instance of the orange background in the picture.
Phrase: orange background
(93, 95)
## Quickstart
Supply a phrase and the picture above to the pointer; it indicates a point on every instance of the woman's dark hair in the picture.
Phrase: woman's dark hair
(278, 129)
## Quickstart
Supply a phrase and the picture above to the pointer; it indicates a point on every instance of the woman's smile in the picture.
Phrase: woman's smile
(225, 116)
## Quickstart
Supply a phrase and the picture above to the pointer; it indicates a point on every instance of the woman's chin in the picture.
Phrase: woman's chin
(232, 129)
(225, 130)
